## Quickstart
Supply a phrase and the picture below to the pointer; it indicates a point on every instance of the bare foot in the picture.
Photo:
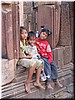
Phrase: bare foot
(49, 86)
(58, 83)
(27, 88)
(38, 85)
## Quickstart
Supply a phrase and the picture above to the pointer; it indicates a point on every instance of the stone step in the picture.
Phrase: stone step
(18, 89)
(63, 93)
(15, 89)
(21, 79)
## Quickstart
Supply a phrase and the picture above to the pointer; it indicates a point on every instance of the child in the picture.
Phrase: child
(32, 50)
(26, 61)
(46, 54)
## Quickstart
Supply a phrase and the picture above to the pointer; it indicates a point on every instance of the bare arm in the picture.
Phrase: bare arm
(23, 56)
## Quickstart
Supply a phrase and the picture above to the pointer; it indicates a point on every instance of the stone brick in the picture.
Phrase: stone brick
(50, 38)
(10, 32)
(16, 30)
(56, 27)
(71, 9)
(9, 35)
(58, 56)
(65, 36)
(27, 9)
(67, 54)
(49, 16)
(4, 52)
(49, 3)
(72, 35)
(7, 71)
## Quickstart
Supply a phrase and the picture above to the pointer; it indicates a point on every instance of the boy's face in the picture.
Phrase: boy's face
(43, 35)
(23, 34)
(32, 40)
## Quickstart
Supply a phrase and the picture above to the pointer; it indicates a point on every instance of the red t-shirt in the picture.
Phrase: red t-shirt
(44, 49)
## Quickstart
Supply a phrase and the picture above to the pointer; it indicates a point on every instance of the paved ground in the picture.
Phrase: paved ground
(16, 88)
(68, 92)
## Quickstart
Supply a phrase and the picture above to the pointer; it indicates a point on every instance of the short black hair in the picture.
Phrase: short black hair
(31, 34)
(22, 27)
(47, 31)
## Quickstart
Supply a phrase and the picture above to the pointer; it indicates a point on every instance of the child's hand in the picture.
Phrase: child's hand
(26, 53)
(29, 56)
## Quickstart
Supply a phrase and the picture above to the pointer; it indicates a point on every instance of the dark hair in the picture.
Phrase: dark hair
(22, 28)
(47, 31)
(42, 26)
(31, 34)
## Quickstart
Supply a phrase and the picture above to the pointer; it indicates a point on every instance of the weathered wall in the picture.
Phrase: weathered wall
(66, 33)
(10, 41)
(58, 17)
(10, 31)
(7, 36)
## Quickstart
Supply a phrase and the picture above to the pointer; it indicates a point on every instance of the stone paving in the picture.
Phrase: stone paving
(67, 93)
(15, 89)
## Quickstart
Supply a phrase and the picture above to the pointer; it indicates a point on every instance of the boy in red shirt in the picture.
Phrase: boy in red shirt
(44, 50)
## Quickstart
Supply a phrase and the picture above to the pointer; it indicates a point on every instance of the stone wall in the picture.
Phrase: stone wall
(72, 27)
(7, 36)
(10, 41)
(7, 71)
(66, 31)
(58, 17)
(65, 34)
(10, 31)
(28, 15)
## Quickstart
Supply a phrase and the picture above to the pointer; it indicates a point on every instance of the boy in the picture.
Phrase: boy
(31, 49)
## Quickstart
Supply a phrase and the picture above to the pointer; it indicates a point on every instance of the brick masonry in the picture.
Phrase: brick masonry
(67, 54)
(8, 71)
(65, 35)
(58, 56)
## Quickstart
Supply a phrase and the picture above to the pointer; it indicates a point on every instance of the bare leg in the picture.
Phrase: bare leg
(37, 83)
(30, 73)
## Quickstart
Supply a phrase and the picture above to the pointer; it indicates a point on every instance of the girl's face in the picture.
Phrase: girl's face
(32, 41)
(43, 35)
(23, 34)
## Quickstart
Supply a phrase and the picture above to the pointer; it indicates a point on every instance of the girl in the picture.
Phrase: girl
(46, 54)
(26, 61)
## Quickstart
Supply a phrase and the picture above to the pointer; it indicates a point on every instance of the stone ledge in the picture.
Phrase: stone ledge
(7, 71)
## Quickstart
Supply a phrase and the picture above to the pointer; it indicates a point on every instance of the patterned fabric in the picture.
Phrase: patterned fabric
(33, 51)
(25, 62)
(44, 49)
(35, 55)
